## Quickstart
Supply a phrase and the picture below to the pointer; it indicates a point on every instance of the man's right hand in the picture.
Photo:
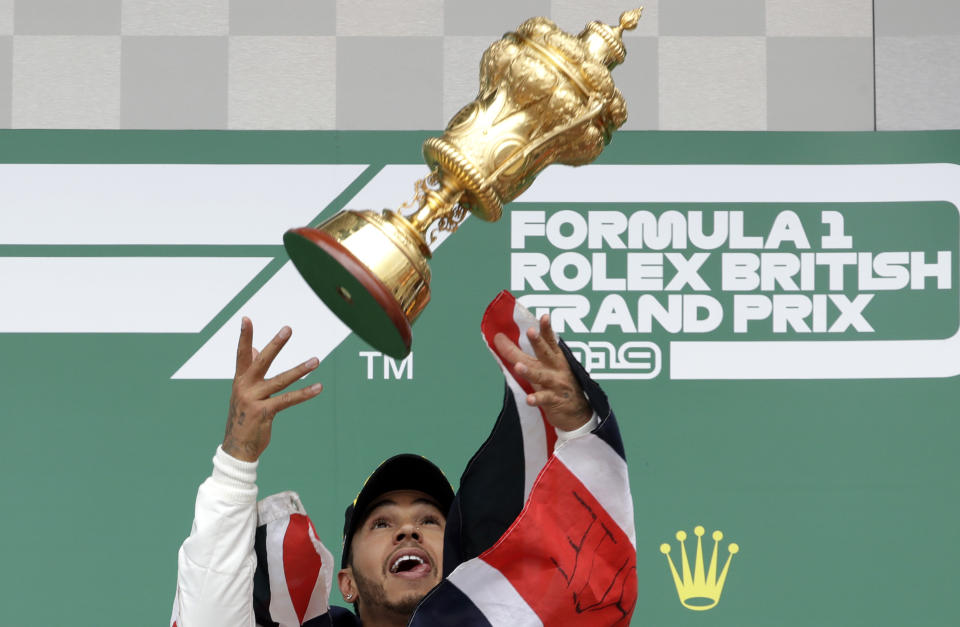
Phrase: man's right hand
(252, 404)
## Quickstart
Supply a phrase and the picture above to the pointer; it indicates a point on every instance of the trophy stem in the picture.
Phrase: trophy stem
(437, 203)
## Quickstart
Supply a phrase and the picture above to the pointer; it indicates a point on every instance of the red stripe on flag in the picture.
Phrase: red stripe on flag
(499, 318)
(301, 563)
(567, 557)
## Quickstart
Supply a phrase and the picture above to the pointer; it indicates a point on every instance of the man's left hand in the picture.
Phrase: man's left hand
(555, 389)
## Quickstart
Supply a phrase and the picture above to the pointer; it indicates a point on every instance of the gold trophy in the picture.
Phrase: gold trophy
(546, 96)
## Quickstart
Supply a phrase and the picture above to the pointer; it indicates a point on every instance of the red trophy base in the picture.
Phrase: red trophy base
(350, 289)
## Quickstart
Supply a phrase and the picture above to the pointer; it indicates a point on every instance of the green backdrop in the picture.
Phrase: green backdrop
(841, 492)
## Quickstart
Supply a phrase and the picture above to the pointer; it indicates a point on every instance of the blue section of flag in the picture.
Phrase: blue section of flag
(448, 605)
(607, 431)
(491, 491)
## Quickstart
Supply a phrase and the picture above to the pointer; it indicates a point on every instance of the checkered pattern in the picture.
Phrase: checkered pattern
(381, 64)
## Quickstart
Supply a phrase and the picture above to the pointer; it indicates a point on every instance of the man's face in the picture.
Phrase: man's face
(397, 552)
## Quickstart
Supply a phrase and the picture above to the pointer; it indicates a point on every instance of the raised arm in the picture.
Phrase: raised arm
(252, 404)
(544, 507)
(216, 563)
(556, 390)
(549, 399)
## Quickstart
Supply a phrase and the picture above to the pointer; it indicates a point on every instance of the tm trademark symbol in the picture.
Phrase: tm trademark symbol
(391, 369)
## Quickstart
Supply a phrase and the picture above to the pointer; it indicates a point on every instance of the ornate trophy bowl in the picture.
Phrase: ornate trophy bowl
(546, 96)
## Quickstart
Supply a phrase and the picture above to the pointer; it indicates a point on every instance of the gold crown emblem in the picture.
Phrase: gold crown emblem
(700, 591)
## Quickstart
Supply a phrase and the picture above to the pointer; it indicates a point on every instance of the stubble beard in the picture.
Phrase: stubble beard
(374, 598)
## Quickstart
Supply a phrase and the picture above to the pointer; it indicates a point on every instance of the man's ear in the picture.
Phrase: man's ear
(347, 584)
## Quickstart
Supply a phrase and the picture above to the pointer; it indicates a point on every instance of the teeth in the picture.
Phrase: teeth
(402, 559)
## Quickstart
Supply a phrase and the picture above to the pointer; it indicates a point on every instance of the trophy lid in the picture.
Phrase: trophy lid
(604, 43)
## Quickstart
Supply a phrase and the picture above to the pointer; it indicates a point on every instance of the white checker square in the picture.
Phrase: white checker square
(383, 18)
(175, 17)
(820, 84)
(820, 18)
(283, 17)
(282, 83)
(712, 18)
(67, 17)
(390, 83)
(713, 83)
(461, 71)
(573, 15)
(66, 81)
(6, 17)
(6, 61)
(636, 78)
(493, 19)
(918, 83)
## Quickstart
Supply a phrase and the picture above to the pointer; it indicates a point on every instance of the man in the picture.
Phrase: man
(393, 540)
(394, 530)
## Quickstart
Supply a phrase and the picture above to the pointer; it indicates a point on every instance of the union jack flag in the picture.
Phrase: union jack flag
(556, 548)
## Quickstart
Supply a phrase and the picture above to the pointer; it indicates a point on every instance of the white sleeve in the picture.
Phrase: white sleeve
(216, 563)
(565, 436)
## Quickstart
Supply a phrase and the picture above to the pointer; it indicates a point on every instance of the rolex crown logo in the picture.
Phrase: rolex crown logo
(699, 591)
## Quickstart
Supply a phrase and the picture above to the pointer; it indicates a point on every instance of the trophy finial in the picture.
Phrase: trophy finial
(629, 20)
(604, 43)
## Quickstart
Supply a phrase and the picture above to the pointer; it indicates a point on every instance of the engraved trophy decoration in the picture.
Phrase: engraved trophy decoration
(546, 96)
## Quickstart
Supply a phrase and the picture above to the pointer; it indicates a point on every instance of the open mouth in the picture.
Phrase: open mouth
(410, 564)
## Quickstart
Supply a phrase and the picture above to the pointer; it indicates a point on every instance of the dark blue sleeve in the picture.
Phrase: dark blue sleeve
(491, 487)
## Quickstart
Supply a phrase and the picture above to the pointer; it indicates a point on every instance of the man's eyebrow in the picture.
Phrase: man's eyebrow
(379, 504)
(387, 502)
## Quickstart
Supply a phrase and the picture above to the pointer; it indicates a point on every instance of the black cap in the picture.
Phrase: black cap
(400, 472)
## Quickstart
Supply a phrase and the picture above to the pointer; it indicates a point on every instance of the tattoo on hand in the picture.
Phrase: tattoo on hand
(246, 439)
